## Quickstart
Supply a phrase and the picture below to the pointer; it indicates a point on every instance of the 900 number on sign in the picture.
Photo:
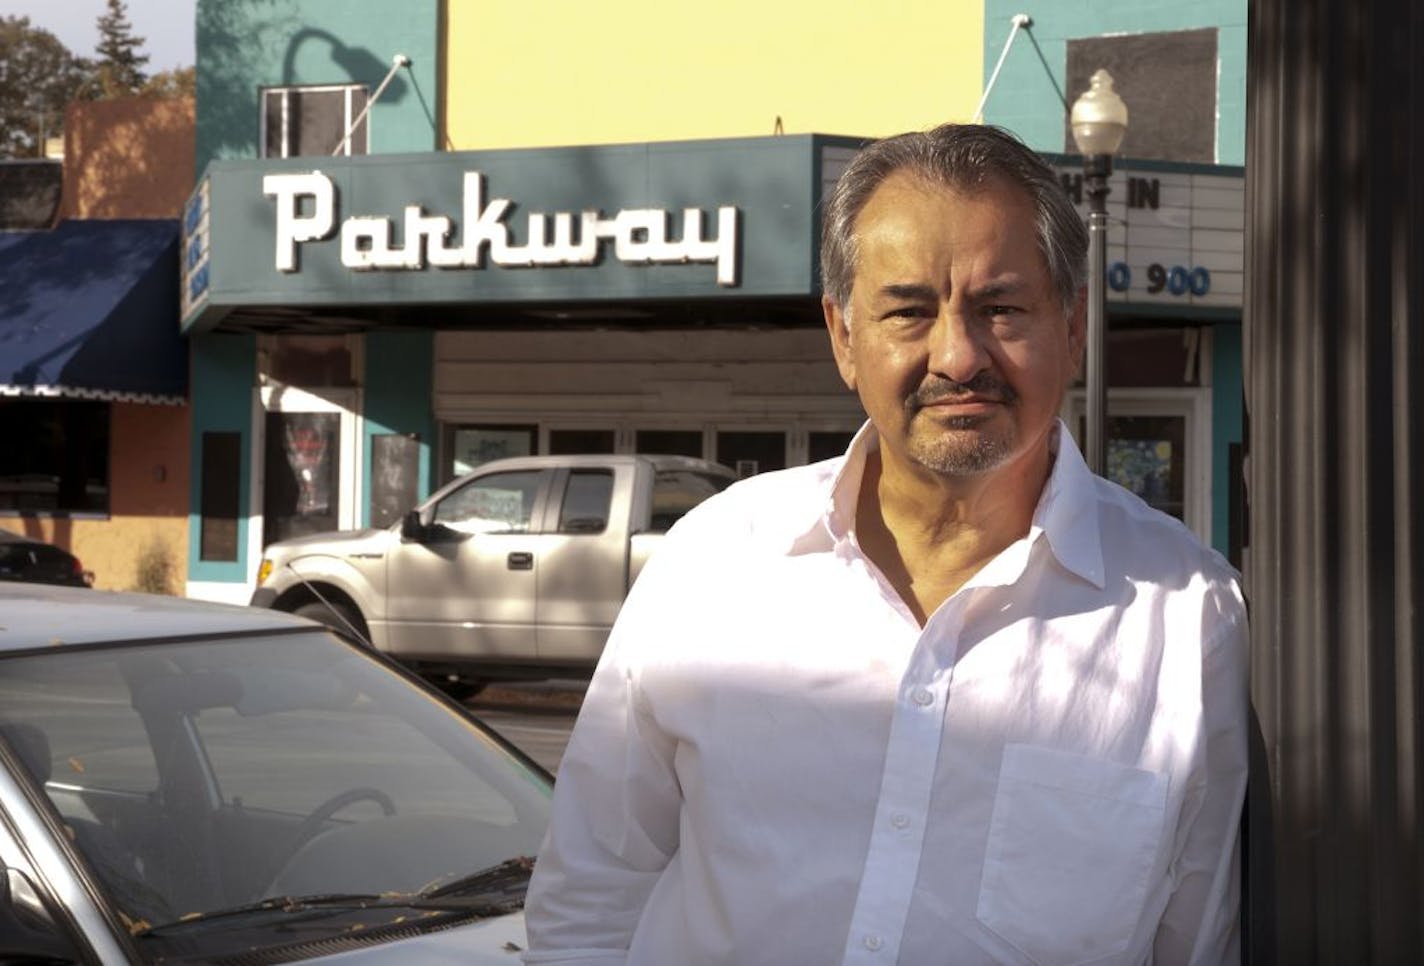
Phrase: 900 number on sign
(1175, 280)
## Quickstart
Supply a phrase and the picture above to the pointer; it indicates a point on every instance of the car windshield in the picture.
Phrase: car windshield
(200, 777)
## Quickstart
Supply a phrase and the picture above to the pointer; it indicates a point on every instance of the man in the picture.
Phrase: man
(947, 699)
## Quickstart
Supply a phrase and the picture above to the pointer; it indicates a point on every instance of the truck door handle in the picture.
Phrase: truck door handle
(521, 560)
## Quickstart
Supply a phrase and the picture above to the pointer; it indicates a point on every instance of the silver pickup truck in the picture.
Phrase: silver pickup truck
(515, 570)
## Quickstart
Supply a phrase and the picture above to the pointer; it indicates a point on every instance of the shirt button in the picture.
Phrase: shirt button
(873, 943)
(923, 697)
(900, 821)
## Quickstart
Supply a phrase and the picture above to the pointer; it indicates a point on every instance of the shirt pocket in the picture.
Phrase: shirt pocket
(1072, 842)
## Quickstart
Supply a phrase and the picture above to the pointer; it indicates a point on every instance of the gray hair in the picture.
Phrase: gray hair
(963, 157)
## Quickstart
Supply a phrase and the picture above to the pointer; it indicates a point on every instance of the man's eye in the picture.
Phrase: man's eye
(909, 312)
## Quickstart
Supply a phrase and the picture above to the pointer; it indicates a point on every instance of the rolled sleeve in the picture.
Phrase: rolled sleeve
(616, 804)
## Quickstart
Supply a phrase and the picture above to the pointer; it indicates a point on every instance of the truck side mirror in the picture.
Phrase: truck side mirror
(28, 933)
(412, 528)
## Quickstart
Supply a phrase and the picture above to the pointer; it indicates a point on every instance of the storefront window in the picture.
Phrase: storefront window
(669, 442)
(55, 458)
(1147, 455)
(826, 445)
(303, 462)
(574, 442)
(469, 446)
(751, 452)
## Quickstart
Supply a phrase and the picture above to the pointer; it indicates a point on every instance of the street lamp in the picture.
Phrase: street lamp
(1099, 120)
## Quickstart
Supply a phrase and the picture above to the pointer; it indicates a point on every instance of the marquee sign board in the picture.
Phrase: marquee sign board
(1176, 235)
(677, 220)
(640, 236)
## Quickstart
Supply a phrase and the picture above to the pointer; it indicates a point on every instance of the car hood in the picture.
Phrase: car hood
(336, 541)
(498, 941)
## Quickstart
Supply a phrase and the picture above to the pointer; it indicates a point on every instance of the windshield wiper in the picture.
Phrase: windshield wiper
(489, 892)
(507, 878)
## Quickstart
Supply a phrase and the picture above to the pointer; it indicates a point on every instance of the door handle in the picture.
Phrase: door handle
(521, 560)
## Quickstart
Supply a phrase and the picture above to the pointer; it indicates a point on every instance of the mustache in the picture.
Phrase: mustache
(984, 385)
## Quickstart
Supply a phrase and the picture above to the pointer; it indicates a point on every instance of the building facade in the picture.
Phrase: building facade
(413, 249)
(93, 374)
(1176, 236)
(279, 81)
(374, 315)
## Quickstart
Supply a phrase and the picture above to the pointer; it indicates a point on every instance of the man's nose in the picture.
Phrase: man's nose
(956, 349)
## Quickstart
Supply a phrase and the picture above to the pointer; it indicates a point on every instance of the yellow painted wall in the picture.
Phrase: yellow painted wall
(542, 73)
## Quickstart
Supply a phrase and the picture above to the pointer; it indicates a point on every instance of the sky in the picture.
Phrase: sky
(166, 26)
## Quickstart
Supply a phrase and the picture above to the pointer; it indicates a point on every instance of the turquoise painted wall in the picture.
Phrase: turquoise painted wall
(224, 370)
(399, 367)
(1028, 98)
(1227, 418)
(244, 46)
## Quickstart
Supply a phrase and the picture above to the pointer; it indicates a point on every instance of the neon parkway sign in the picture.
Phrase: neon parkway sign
(306, 213)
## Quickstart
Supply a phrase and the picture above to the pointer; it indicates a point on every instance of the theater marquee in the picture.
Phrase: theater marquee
(601, 224)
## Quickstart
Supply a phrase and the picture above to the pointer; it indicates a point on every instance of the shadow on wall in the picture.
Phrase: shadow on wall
(353, 63)
(233, 35)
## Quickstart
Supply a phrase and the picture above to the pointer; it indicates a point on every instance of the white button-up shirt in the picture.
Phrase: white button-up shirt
(775, 763)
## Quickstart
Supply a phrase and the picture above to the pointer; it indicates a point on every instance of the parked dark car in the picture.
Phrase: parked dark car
(37, 562)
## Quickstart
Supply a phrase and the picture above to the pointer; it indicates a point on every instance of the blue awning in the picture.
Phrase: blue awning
(89, 310)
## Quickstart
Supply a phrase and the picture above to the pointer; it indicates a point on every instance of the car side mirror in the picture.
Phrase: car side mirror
(412, 528)
(28, 932)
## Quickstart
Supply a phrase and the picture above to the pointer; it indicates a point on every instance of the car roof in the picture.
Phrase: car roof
(38, 615)
(659, 461)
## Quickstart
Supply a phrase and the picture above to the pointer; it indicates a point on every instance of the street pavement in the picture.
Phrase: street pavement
(536, 718)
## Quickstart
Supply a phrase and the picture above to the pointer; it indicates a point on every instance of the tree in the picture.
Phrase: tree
(120, 65)
(178, 82)
(38, 77)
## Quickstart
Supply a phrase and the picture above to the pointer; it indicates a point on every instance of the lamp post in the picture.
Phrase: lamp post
(1099, 120)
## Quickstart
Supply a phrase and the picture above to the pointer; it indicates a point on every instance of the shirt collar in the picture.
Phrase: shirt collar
(1067, 512)
(839, 512)
(1066, 515)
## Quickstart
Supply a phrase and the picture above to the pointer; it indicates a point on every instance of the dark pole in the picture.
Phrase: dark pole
(1334, 353)
(1096, 169)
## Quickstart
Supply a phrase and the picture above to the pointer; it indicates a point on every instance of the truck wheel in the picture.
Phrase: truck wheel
(461, 689)
(340, 617)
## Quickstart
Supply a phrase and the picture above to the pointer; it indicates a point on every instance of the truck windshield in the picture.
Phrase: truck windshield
(677, 491)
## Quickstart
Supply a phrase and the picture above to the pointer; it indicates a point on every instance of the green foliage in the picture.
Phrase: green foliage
(155, 569)
(179, 82)
(38, 77)
(120, 65)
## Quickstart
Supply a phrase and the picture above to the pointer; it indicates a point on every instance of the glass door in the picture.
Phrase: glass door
(1159, 447)
(308, 458)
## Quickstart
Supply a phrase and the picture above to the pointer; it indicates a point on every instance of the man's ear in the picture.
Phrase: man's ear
(838, 328)
(1078, 331)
